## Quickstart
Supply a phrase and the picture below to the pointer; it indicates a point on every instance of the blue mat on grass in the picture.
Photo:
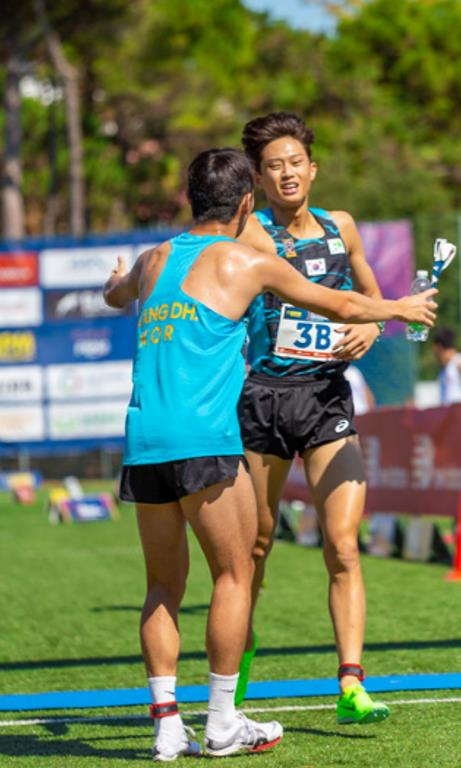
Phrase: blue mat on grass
(274, 689)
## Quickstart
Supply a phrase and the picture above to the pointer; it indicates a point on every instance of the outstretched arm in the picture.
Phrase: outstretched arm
(279, 277)
(122, 287)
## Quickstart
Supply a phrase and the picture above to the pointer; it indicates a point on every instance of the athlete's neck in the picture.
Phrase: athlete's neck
(215, 229)
(298, 221)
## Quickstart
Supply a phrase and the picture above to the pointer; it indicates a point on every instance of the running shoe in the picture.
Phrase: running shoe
(244, 671)
(356, 706)
(246, 736)
(162, 751)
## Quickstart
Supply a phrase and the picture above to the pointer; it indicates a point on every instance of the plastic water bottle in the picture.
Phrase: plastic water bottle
(419, 331)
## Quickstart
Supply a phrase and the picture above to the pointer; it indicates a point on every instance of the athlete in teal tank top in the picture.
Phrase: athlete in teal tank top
(188, 370)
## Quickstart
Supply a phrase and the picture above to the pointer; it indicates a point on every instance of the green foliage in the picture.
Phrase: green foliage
(162, 80)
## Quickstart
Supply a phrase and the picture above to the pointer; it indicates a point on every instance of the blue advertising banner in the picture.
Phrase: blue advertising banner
(65, 356)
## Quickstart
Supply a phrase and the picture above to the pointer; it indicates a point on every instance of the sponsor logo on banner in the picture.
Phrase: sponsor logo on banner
(19, 383)
(17, 346)
(21, 424)
(80, 267)
(62, 305)
(91, 344)
(89, 420)
(19, 268)
(111, 379)
(20, 306)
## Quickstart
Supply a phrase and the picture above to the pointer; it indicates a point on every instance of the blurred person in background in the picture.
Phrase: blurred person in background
(296, 398)
(183, 459)
(446, 353)
(362, 396)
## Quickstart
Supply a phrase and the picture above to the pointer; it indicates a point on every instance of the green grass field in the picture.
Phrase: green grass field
(70, 597)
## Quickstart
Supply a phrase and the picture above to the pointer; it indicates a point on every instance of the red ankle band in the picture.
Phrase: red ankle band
(356, 670)
(163, 710)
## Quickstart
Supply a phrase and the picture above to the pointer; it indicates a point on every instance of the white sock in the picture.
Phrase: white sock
(221, 707)
(163, 691)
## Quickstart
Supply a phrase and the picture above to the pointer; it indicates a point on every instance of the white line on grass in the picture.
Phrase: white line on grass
(187, 713)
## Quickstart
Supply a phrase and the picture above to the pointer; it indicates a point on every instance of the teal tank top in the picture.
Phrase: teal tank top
(188, 370)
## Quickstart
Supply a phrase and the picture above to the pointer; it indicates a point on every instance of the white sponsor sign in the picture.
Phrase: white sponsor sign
(20, 307)
(70, 382)
(78, 420)
(81, 267)
(21, 424)
(19, 383)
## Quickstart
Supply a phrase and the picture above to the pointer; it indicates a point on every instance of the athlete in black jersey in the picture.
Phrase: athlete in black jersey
(296, 399)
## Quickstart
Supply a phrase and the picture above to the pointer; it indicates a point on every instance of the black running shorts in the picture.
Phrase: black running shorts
(284, 418)
(171, 480)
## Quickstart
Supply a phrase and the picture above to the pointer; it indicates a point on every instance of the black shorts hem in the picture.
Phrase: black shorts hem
(170, 481)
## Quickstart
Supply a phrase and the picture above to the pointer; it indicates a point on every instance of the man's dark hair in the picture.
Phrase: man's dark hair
(217, 181)
(444, 337)
(262, 130)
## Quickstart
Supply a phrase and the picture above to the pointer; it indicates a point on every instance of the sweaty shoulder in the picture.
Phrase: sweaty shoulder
(256, 236)
(237, 259)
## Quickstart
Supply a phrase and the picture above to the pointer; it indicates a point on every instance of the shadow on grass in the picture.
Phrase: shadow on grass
(200, 608)
(34, 746)
(335, 734)
(301, 650)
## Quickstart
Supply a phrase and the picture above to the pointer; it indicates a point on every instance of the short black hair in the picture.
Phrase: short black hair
(217, 181)
(261, 131)
(444, 337)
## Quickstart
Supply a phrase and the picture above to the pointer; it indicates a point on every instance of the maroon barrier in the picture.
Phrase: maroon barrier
(412, 461)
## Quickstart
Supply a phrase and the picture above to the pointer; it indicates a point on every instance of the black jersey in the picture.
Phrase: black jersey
(289, 341)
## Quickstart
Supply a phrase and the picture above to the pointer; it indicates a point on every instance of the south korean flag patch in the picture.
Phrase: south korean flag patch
(315, 267)
(335, 246)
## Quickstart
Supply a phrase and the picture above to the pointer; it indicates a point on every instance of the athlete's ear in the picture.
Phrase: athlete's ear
(248, 203)
(313, 170)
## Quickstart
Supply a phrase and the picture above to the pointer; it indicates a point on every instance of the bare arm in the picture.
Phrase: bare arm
(274, 274)
(357, 339)
(364, 279)
(122, 287)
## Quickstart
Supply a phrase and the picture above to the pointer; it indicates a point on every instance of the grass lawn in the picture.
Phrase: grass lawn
(70, 597)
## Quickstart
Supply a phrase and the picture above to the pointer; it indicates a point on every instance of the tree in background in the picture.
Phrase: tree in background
(161, 80)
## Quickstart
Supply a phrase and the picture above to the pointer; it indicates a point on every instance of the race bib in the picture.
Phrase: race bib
(303, 335)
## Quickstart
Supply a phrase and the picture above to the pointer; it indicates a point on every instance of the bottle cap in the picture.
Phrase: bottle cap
(422, 273)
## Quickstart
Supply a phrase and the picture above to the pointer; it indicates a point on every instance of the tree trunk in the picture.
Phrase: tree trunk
(69, 76)
(13, 205)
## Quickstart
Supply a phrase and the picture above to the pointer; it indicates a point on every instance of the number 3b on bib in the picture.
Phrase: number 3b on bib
(303, 335)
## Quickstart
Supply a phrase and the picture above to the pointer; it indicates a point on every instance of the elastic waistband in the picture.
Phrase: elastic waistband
(290, 381)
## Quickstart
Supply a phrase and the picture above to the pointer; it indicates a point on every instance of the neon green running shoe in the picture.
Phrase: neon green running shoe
(356, 706)
(244, 671)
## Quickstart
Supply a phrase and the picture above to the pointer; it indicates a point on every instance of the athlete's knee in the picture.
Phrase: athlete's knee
(168, 589)
(265, 534)
(342, 555)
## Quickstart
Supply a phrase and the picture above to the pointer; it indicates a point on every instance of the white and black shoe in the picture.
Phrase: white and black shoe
(246, 736)
(165, 751)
